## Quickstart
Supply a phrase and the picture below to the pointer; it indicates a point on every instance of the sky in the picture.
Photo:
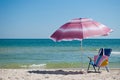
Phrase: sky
(40, 18)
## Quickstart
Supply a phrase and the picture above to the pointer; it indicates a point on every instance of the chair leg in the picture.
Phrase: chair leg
(88, 67)
(98, 68)
(107, 68)
(94, 68)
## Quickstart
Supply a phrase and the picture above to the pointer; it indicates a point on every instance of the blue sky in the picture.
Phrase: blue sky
(40, 18)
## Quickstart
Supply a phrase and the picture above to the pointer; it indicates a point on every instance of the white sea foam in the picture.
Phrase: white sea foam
(37, 65)
(116, 53)
(34, 66)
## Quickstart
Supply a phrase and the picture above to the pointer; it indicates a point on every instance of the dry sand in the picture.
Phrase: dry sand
(57, 74)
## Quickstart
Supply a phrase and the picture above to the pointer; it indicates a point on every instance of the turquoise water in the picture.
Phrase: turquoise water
(43, 51)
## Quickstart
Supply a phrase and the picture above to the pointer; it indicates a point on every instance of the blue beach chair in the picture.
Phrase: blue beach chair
(100, 60)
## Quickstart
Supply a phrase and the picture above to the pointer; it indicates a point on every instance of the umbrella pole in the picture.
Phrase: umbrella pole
(81, 56)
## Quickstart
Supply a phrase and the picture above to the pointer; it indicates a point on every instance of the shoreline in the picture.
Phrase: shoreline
(58, 74)
(53, 65)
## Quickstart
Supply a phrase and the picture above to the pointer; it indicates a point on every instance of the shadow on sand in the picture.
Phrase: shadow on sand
(61, 72)
(93, 72)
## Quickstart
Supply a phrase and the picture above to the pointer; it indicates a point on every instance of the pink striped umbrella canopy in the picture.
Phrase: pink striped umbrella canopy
(80, 28)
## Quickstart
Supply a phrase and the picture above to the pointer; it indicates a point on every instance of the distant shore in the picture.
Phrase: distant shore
(57, 74)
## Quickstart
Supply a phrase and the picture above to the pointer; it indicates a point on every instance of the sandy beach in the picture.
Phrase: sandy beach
(57, 74)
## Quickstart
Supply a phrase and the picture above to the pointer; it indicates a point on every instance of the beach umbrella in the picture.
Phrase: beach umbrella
(79, 29)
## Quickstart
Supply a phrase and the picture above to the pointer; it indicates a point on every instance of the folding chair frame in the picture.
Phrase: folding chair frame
(91, 62)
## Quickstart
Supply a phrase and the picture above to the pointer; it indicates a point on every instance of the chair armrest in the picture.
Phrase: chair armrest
(90, 58)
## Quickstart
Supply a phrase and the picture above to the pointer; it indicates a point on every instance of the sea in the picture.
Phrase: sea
(31, 53)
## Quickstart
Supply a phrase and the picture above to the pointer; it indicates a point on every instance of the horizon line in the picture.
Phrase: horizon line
(51, 39)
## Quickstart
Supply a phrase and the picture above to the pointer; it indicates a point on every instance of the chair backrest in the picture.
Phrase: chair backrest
(102, 56)
(105, 51)
(100, 52)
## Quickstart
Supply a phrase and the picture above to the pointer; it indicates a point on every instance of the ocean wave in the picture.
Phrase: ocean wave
(34, 66)
(116, 52)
